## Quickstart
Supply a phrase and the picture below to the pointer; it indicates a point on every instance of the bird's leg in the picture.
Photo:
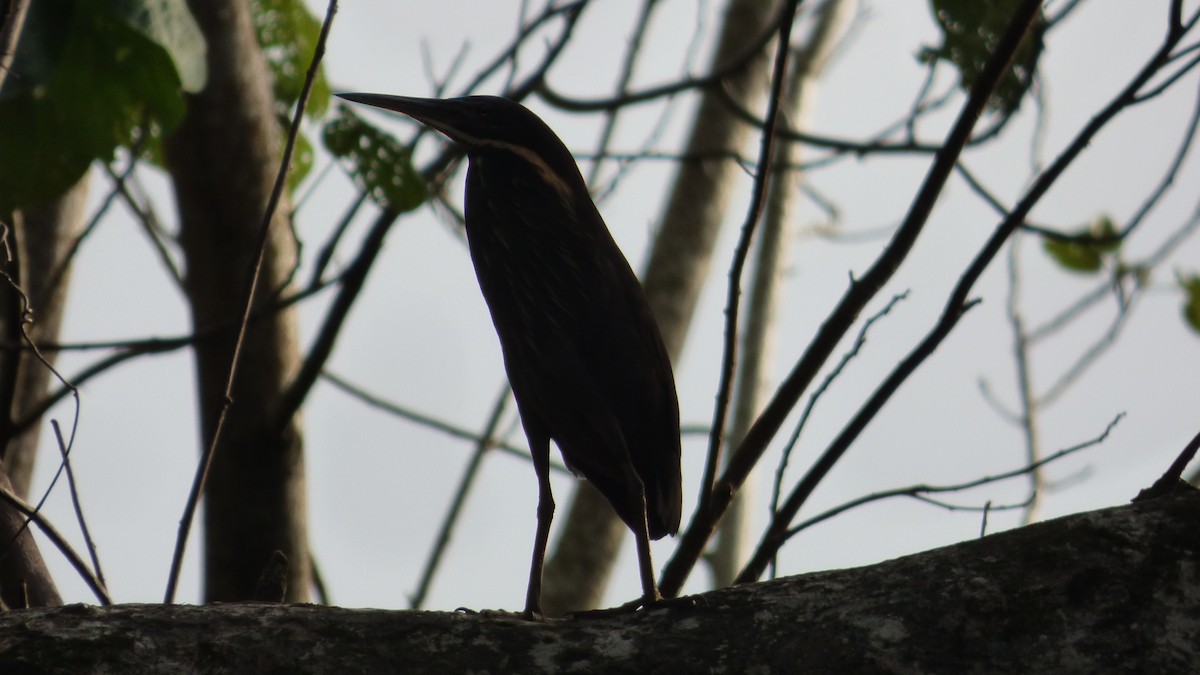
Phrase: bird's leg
(540, 452)
(641, 535)
(650, 594)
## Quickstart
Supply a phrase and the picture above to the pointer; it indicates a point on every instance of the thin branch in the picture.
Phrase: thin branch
(59, 542)
(486, 442)
(325, 256)
(922, 489)
(320, 592)
(1001, 411)
(353, 281)
(65, 451)
(1028, 401)
(843, 316)
(55, 277)
(958, 302)
(1170, 81)
(569, 10)
(1169, 480)
(1093, 352)
(623, 78)
(785, 456)
(987, 508)
(1058, 322)
(129, 349)
(859, 341)
(1125, 305)
(145, 216)
(425, 420)
(750, 51)
(1181, 154)
(741, 252)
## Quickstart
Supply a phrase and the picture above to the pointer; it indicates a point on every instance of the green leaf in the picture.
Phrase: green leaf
(170, 25)
(378, 163)
(971, 29)
(1088, 248)
(84, 80)
(288, 35)
(1191, 306)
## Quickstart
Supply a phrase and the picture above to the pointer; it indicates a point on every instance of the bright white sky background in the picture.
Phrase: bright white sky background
(420, 335)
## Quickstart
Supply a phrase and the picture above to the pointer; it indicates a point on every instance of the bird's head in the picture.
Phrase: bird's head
(477, 122)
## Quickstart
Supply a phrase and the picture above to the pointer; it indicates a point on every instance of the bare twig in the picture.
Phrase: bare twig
(742, 251)
(843, 316)
(431, 422)
(958, 302)
(486, 442)
(1182, 152)
(59, 542)
(129, 349)
(1168, 481)
(623, 78)
(750, 50)
(916, 491)
(859, 342)
(1028, 417)
(326, 254)
(145, 216)
(1089, 356)
(83, 528)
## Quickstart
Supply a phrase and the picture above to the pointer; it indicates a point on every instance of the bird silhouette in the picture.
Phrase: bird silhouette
(583, 353)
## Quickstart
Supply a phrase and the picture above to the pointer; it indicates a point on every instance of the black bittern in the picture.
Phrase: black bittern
(583, 354)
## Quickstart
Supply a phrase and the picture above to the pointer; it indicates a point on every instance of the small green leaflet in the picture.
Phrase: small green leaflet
(971, 29)
(1191, 304)
(378, 163)
(1087, 250)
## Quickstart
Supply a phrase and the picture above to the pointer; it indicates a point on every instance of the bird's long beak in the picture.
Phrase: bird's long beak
(439, 114)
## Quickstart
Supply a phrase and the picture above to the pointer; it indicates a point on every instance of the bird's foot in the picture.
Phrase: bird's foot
(500, 614)
(533, 615)
(658, 602)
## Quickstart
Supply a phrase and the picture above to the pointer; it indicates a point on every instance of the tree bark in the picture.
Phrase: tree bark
(1107, 591)
(577, 571)
(36, 246)
(25, 580)
(223, 160)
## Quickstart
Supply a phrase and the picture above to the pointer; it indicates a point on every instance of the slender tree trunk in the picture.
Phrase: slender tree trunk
(577, 572)
(40, 241)
(223, 160)
(34, 242)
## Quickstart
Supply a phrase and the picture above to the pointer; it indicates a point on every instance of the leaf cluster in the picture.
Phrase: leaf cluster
(87, 76)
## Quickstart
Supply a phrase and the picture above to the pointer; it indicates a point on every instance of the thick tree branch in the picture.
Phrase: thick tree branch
(1106, 591)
